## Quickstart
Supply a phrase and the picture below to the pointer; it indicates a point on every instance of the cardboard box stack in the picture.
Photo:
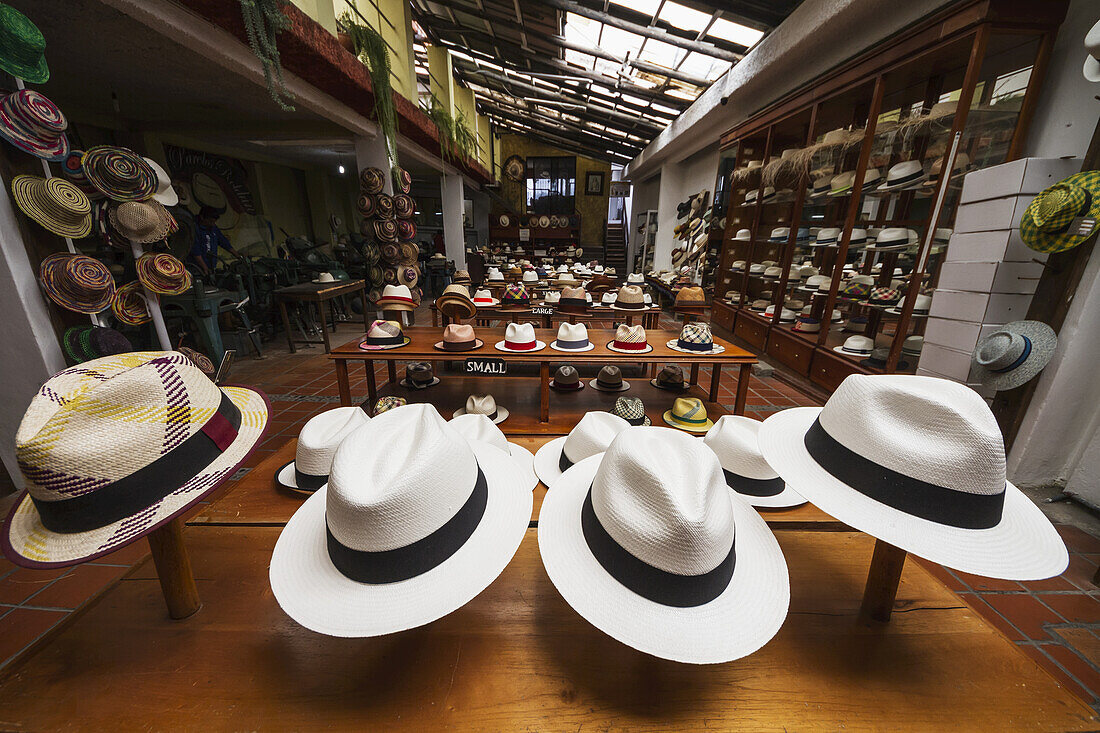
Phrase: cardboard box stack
(989, 275)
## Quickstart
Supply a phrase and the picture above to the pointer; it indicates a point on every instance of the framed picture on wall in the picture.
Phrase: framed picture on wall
(593, 183)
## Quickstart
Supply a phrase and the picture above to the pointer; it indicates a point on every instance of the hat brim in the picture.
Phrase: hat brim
(1043, 344)
(54, 151)
(579, 385)
(786, 499)
(1023, 546)
(539, 346)
(555, 347)
(36, 73)
(285, 479)
(611, 346)
(27, 542)
(316, 595)
(546, 463)
(1091, 69)
(621, 388)
(409, 385)
(384, 347)
(502, 414)
(669, 418)
(715, 349)
(683, 387)
(895, 311)
(478, 343)
(735, 624)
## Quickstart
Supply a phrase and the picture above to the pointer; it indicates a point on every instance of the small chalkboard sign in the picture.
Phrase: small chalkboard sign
(485, 365)
(542, 310)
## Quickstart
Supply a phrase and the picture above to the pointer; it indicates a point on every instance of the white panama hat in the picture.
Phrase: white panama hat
(650, 546)
(572, 337)
(917, 462)
(589, 437)
(484, 404)
(520, 337)
(734, 439)
(413, 524)
(475, 427)
(317, 444)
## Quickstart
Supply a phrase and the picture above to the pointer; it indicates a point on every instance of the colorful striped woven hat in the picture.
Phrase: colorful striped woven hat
(1064, 215)
(372, 180)
(688, 413)
(141, 221)
(385, 230)
(77, 283)
(406, 229)
(114, 448)
(34, 124)
(404, 206)
(402, 179)
(410, 253)
(367, 205)
(84, 343)
(383, 206)
(129, 304)
(163, 274)
(696, 337)
(22, 47)
(56, 204)
(119, 173)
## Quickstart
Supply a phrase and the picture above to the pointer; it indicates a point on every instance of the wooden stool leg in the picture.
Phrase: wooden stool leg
(177, 582)
(882, 582)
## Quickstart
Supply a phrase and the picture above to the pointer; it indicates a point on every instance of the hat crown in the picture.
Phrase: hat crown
(483, 404)
(458, 333)
(322, 435)
(572, 332)
(698, 333)
(592, 435)
(629, 408)
(734, 439)
(574, 293)
(630, 334)
(455, 289)
(19, 37)
(521, 333)
(91, 425)
(384, 329)
(930, 429)
(35, 111)
(1050, 208)
(473, 426)
(483, 293)
(566, 374)
(1001, 350)
(396, 291)
(385, 490)
(139, 218)
(629, 294)
(661, 495)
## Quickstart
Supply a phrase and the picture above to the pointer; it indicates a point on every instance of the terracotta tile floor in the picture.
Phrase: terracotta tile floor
(1056, 622)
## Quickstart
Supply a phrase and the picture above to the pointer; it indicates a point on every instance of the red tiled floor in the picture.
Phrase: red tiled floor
(21, 583)
(987, 612)
(1078, 540)
(1076, 608)
(1085, 673)
(1024, 612)
(75, 588)
(22, 627)
(979, 583)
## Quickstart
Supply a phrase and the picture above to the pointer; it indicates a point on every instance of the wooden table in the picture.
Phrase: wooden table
(319, 294)
(649, 318)
(422, 348)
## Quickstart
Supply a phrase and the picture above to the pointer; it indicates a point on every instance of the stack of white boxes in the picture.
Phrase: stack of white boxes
(989, 275)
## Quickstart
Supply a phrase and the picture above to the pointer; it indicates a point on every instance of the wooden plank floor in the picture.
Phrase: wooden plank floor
(517, 657)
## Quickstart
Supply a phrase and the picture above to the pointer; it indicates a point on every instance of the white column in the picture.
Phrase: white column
(370, 152)
(454, 235)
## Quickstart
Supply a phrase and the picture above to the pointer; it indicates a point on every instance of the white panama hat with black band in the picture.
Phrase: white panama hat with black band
(589, 437)
(734, 439)
(317, 444)
(476, 427)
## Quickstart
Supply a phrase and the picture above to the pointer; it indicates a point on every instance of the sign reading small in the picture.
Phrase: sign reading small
(486, 365)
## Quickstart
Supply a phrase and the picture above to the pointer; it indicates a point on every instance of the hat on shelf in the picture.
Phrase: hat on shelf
(921, 304)
(903, 175)
(396, 539)
(610, 379)
(629, 298)
(878, 357)
(530, 276)
(632, 410)
(387, 403)
(883, 296)
(455, 300)
(566, 379)
(129, 305)
(396, 298)
(742, 235)
(116, 447)
(691, 297)
(635, 278)
(76, 282)
(589, 437)
(857, 239)
(1048, 222)
(607, 299)
(671, 378)
(917, 462)
(785, 314)
(807, 324)
(54, 203)
(572, 337)
(773, 273)
(494, 275)
(820, 188)
(119, 173)
(34, 124)
(324, 277)
(484, 296)
(552, 297)
(630, 340)
(760, 304)
(962, 163)
(317, 444)
(855, 324)
(515, 296)
(384, 335)
(734, 440)
(22, 47)
(872, 177)
(87, 342)
(419, 375)
(894, 238)
(688, 413)
(459, 337)
(858, 287)
(484, 405)
(856, 346)
(372, 180)
(695, 338)
(737, 266)
(520, 337)
(779, 234)
(141, 221)
(573, 300)
(480, 429)
(841, 185)
(1014, 354)
(827, 236)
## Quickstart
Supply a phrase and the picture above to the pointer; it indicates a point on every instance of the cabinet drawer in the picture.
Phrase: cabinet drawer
(829, 371)
(790, 350)
(750, 329)
(722, 315)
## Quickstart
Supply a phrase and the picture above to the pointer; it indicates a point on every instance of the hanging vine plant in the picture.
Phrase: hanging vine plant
(263, 21)
(456, 141)
(371, 49)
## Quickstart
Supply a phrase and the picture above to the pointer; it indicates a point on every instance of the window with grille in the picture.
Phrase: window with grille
(551, 185)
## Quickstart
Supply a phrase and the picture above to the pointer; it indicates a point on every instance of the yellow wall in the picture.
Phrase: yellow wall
(391, 20)
(592, 209)
(322, 11)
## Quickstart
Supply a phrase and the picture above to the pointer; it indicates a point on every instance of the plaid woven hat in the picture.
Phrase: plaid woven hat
(372, 180)
(119, 173)
(59, 206)
(76, 282)
(515, 294)
(129, 304)
(884, 296)
(114, 448)
(141, 221)
(163, 274)
(632, 410)
(384, 335)
(1064, 215)
(34, 124)
(385, 404)
(22, 47)
(695, 337)
(84, 343)
(631, 339)
(402, 179)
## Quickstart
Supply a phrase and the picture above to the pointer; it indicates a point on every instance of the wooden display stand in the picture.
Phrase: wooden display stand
(177, 582)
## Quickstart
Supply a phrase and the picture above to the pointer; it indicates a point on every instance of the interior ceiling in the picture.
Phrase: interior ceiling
(596, 77)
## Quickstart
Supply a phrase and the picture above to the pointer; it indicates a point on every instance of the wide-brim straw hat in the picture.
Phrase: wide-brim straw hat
(77, 283)
(22, 47)
(119, 173)
(1037, 344)
(57, 205)
(163, 274)
(455, 301)
(741, 618)
(34, 124)
(166, 194)
(129, 305)
(591, 436)
(141, 221)
(372, 180)
(735, 440)
(124, 431)
(932, 432)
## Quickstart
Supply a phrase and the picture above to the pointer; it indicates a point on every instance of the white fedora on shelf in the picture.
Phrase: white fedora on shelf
(635, 278)
(903, 175)
(589, 437)
(1014, 354)
(650, 546)
(474, 427)
(856, 346)
(414, 523)
(742, 235)
(572, 337)
(484, 404)
(918, 462)
(734, 439)
(317, 444)
(826, 237)
(520, 337)
(921, 304)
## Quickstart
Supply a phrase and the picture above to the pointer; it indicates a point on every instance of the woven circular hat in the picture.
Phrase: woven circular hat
(199, 359)
(84, 343)
(22, 47)
(129, 305)
(1014, 354)
(695, 338)
(1048, 222)
(367, 205)
(455, 302)
(403, 206)
(72, 168)
(114, 448)
(402, 179)
(734, 440)
(163, 273)
(649, 545)
(589, 437)
(480, 429)
(917, 462)
(34, 124)
(57, 205)
(77, 282)
(141, 221)
(406, 229)
(317, 443)
(385, 230)
(383, 206)
(119, 173)
(408, 276)
(372, 180)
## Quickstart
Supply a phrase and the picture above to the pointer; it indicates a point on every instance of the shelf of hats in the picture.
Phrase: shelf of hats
(838, 215)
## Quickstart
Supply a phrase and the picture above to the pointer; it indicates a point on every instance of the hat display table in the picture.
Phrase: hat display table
(319, 294)
(421, 347)
(486, 314)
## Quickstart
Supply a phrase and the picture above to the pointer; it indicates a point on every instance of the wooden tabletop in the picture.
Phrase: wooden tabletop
(311, 290)
(517, 657)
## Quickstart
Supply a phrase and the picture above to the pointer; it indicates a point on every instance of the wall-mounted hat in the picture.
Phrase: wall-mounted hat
(1014, 354)
(22, 47)
(55, 204)
(87, 342)
(119, 173)
(129, 305)
(141, 221)
(1048, 222)
(372, 180)
(34, 124)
